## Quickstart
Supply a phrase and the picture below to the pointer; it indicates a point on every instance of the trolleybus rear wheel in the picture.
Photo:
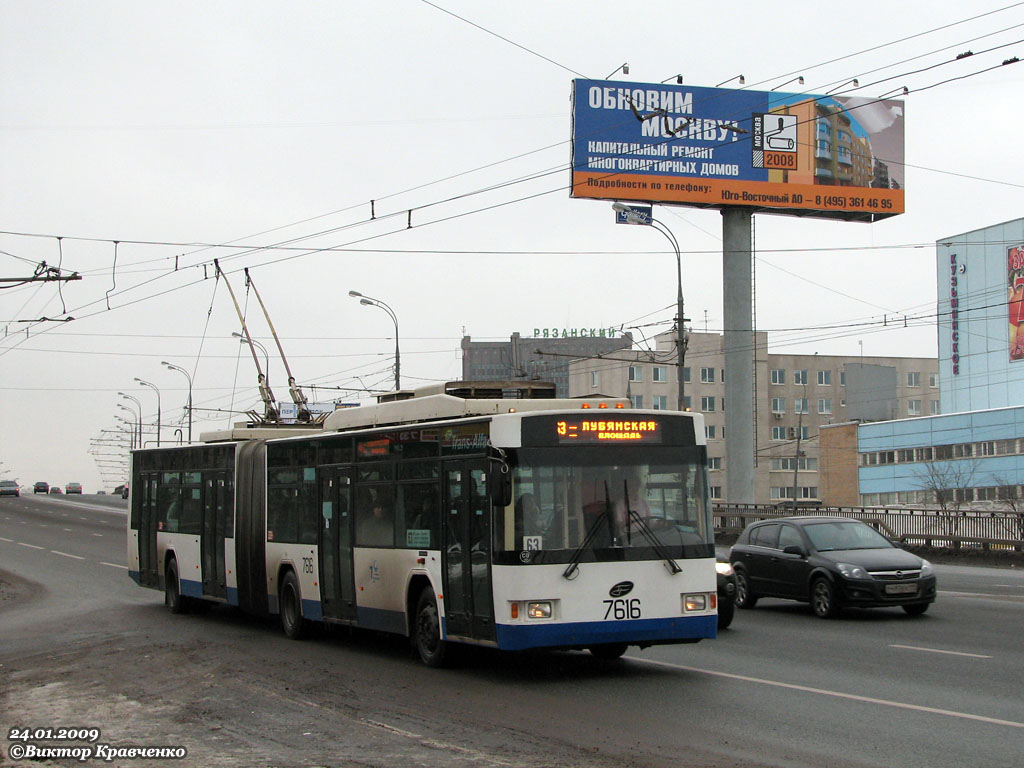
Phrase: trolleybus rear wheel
(292, 623)
(172, 591)
(433, 651)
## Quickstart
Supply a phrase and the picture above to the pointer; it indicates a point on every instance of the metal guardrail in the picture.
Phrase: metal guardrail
(966, 528)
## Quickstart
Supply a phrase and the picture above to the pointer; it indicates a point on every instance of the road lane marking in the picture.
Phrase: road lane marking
(98, 534)
(7, 540)
(115, 565)
(65, 554)
(65, 529)
(936, 650)
(836, 694)
(30, 546)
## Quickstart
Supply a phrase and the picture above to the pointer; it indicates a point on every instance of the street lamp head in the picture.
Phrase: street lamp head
(366, 302)
(357, 294)
(621, 208)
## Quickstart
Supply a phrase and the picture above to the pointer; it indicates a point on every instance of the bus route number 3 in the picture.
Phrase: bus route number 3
(307, 565)
(620, 608)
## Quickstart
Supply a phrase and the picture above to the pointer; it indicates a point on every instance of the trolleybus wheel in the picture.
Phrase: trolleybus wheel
(608, 651)
(172, 590)
(292, 623)
(433, 651)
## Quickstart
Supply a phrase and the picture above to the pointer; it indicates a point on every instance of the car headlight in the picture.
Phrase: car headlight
(725, 569)
(926, 568)
(852, 571)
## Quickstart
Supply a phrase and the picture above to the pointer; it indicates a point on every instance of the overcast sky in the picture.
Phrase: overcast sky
(170, 128)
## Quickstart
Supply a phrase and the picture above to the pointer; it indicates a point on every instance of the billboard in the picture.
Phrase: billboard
(1015, 302)
(801, 154)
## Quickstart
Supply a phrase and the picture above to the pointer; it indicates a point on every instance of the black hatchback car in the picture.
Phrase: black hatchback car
(829, 562)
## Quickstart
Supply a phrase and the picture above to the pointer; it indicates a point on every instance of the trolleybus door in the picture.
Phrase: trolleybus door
(144, 500)
(217, 522)
(467, 547)
(337, 582)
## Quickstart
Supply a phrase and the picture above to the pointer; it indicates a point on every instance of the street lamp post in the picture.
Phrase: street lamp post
(189, 377)
(634, 218)
(132, 422)
(266, 355)
(154, 388)
(369, 301)
(138, 403)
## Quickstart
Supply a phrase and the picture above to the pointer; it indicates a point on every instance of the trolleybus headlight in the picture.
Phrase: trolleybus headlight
(695, 602)
(538, 610)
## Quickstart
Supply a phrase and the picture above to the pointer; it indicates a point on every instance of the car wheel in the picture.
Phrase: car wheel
(916, 609)
(745, 597)
(823, 599)
(608, 651)
(292, 623)
(726, 610)
(433, 651)
(172, 589)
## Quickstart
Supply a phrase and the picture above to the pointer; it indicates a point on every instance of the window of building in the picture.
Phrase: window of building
(800, 377)
(716, 492)
(934, 407)
(825, 378)
(985, 494)
(686, 375)
(886, 457)
(923, 454)
(778, 375)
(914, 379)
(963, 450)
(714, 462)
(637, 401)
(660, 403)
(933, 380)
(687, 402)
(913, 407)
(943, 452)
(824, 405)
(799, 405)
(1006, 447)
(805, 433)
(903, 455)
(778, 433)
(636, 373)
(659, 373)
(842, 379)
(593, 379)
(707, 403)
(707, 375)
(709, 431)
(778, 405)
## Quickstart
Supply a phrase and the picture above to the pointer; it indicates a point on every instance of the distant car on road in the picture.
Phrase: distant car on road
(73, 488)
(122, 491)
(726, 593)
(54, 489)
(9, 488)
(41, 487)
(831, 563)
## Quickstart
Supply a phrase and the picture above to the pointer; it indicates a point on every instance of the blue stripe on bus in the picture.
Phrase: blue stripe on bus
(136, 577)
(521, 636)
(190, 588)
(312, 610)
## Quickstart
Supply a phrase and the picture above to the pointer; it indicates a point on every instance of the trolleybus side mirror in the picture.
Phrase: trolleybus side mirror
(501, 484)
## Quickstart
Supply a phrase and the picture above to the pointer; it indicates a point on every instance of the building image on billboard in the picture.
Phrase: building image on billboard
(808, 155)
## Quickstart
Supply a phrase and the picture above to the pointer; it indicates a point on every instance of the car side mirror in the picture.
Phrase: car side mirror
(794, 549)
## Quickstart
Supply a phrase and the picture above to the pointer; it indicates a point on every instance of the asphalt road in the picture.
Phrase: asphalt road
(80, 644)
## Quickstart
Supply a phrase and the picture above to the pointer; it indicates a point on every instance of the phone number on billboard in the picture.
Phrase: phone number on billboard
(846, 201)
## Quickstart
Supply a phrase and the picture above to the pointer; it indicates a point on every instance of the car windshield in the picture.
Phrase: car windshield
(846, 534)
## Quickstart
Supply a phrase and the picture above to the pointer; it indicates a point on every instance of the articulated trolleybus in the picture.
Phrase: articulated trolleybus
(483, 513)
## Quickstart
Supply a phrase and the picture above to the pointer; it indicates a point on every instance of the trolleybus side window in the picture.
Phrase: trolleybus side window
(375, 515)
(291, 505)
(169, 501)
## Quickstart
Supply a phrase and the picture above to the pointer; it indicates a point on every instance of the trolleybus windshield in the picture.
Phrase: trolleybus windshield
(560, 496)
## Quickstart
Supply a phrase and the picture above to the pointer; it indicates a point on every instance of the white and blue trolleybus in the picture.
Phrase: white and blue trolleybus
(480, 513)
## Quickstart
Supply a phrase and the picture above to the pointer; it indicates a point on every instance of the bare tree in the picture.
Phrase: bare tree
(948, 481)
(1010, 501)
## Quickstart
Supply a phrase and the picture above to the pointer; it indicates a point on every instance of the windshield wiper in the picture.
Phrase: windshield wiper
(604, 517)
(645, 529)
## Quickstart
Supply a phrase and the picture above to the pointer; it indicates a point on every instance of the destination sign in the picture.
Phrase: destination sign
(592, 430)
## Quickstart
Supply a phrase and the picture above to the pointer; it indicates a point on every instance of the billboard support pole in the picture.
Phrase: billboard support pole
(739, 351)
